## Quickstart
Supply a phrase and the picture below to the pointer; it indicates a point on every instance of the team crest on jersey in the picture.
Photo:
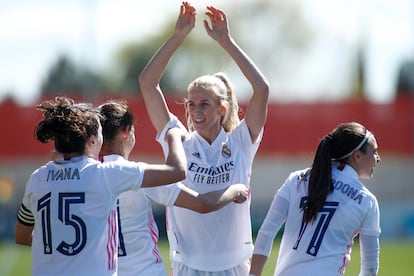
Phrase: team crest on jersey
(225, 151)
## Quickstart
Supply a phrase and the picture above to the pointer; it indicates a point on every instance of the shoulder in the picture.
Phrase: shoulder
(241, 134)
(299, 175)
(172, 123)
(293, 181)
(121, 163)
(241, 128)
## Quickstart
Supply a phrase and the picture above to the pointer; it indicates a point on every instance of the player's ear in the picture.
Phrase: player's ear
(356, 156)
(223, 110)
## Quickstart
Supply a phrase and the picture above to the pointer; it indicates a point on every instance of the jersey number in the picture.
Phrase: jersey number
(325, 216)
(65, 216)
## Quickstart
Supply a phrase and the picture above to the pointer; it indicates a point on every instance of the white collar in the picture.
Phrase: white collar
(217, 142)
(112, 157)
(348, 170)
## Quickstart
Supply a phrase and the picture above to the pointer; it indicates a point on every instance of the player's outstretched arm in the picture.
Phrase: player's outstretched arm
(149, 79)
(211, 201)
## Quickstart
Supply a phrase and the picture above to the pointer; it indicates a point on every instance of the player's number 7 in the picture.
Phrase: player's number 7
(324, 217)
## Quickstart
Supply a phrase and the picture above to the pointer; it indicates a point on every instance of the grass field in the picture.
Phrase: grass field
(395, 259)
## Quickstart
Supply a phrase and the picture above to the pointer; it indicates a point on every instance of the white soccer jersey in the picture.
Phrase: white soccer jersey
(221, 239)
(137, 250)
(324, 246)
(73, 203)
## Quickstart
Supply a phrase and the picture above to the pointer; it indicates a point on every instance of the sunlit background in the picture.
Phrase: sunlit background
(326, 60)
(309, 49)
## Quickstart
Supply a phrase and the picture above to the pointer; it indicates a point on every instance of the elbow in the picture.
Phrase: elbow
(146, 82)
(182, 168)
(142, 81)
(262, 88)
(265, 88)
(141, 78)
(181, 174)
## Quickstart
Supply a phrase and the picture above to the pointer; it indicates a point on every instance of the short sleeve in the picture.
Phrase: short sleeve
(123, 176)
(243, 134)
(165, 195)
(160, 138)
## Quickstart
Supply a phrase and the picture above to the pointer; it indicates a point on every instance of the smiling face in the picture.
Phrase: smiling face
(205, 111)
(367, 159)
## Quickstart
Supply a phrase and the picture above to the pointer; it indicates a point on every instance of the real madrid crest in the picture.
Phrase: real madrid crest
(225, 151)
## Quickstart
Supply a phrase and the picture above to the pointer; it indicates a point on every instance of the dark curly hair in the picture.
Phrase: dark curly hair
(68, 124)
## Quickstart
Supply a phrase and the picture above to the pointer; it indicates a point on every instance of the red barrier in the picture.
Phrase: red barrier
(290, 128)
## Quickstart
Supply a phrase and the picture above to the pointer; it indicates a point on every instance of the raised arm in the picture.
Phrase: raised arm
(257, 107)
(149, 79)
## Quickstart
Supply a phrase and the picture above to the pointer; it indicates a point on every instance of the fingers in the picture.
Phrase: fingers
(215, 14)
(188, 8)
(242, 193)
(186, 18)
(207, 27)
(240, 197)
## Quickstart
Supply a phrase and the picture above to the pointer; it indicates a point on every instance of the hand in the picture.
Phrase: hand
(186, 19)
(241, 193)
(219, 29)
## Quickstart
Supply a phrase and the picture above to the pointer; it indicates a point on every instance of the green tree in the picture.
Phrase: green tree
(65, 77)
(272, 32)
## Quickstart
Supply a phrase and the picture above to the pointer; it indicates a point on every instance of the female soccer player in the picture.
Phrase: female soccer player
(324, 208)
(219, 148)
(68, 214)
(138, 232)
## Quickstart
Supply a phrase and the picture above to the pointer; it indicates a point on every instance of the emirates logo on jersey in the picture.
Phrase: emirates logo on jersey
(225, 151)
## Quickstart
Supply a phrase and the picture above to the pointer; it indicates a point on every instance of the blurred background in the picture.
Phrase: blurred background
(327, 61)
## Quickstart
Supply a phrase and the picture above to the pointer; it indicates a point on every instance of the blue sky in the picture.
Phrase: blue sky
(32, 33)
